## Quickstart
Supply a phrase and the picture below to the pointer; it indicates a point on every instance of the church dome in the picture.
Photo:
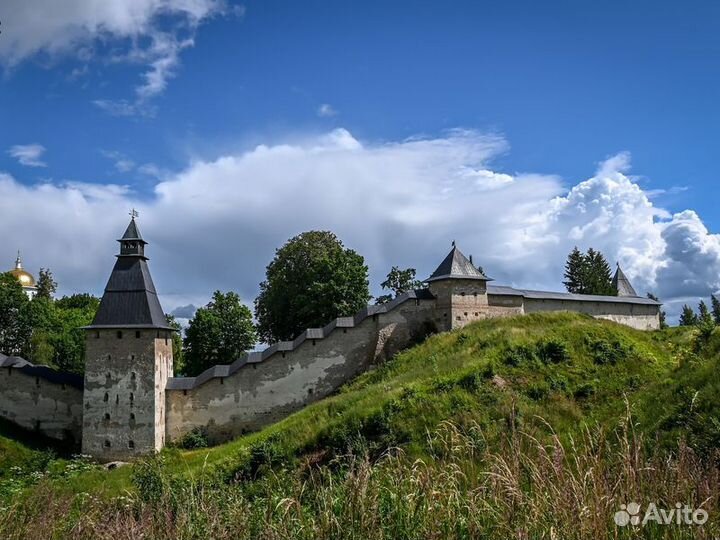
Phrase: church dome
(25, 278)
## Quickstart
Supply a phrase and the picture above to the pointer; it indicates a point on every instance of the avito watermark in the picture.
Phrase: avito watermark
(681, 514)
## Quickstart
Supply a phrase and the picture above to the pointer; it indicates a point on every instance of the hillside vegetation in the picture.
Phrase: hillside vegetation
(535, 426)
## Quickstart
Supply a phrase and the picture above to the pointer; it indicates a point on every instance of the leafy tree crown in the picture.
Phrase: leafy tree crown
(312, 280)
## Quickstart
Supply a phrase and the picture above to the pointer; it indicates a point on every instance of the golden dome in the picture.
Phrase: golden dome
(26, 279)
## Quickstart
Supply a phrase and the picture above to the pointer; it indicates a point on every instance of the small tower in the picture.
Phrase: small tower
(460, 291)
(128, 361)
(621, 284)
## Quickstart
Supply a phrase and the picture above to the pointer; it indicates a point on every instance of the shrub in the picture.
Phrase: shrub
(150, 478)
(197, 438)
(538, 391)
(519, 355)
(604, 352)
(585, 390)
(552, 351)
(558, 383)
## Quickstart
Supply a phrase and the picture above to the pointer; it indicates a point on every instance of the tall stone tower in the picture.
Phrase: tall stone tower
(128, 361)
(460, 291)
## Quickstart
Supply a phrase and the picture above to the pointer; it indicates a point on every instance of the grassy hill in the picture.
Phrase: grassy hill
(510, 427)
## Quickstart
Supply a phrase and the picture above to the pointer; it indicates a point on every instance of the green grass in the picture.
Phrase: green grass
(498, 400)
(494, 374)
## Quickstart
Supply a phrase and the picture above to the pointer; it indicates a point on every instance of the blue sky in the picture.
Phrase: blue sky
(561, 86)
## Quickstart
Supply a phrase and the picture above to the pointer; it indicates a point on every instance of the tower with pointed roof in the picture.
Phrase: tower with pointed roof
(460, 291)
(621, 284)
(128, 361)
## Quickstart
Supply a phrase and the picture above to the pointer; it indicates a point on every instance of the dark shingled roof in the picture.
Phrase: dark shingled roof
(457, 266)
(132, 232)
(622, 284)
(58, 377)
(130, 299)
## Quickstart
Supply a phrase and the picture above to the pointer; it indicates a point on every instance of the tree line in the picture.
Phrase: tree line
(705, 316)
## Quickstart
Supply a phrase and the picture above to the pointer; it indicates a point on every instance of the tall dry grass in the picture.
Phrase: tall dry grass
(525, 489)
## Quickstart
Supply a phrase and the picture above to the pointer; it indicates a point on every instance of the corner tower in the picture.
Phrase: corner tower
(460, 291)
(621, 284)
(128, 361)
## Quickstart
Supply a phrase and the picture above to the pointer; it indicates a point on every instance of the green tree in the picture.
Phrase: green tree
(46, 284)
(399, 282)
(688, 317)
(218, 334)
(704, 316)
(576, 272)
(312, 280)
(15, 324)
(599, 274)
(178, 360)
(58, 339)
(663, 315)
(715, 308)
(73, 313)
(83, 301)
(41, 317)
(588, 273)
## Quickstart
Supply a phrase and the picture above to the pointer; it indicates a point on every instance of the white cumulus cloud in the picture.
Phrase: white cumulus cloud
(216, 223)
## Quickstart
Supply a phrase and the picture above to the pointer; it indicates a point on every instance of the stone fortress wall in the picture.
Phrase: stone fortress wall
(264, 387)
(40, 399)
(128, 404)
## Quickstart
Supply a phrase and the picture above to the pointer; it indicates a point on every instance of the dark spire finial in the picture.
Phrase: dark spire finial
(134, 213)
(453, 243)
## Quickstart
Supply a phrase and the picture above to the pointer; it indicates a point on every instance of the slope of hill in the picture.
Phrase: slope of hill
(507, 427)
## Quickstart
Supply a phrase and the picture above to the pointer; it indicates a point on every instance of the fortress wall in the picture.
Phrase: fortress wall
(264, 392)
(33, 401)
(638, 316)
(504, 306)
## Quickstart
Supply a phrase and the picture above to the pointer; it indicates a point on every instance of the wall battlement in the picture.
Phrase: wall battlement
(255, 357)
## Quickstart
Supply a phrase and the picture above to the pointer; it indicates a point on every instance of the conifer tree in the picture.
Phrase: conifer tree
(588, 273)
(715, 308)
(704, 317)
(688, 317)
(599, 274)
(575, 272)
